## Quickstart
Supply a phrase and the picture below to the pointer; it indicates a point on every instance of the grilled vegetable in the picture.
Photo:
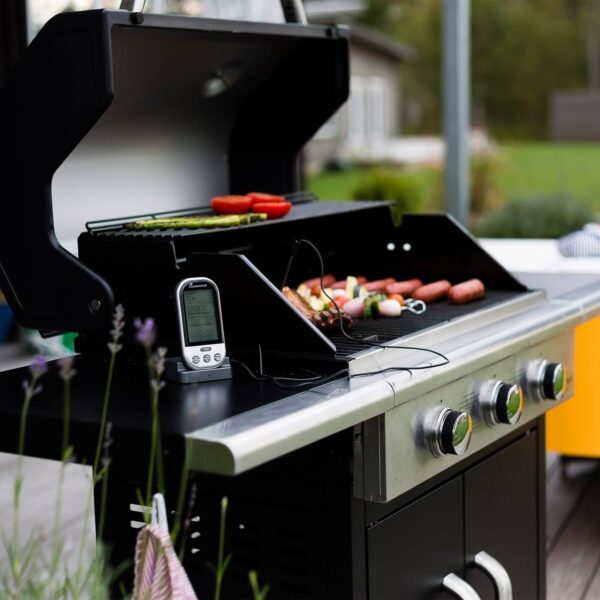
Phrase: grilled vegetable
(231, 205)
(371, 307)
(355, 307)
(390, 308)
(258, 197)
(273, 210)
(396, 297)
(341, 285)
(206, 222)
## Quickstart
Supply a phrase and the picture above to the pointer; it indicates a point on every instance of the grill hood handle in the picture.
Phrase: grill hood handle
(293, 11)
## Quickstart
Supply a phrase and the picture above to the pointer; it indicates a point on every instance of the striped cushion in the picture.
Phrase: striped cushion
(582, 243)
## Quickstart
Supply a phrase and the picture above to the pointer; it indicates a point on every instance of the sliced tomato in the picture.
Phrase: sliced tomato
(231, 205)
(259, 197)
(274, 210)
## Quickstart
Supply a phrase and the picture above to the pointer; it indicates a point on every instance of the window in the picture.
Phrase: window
(377, 109)
(367, 110)
(357, 121)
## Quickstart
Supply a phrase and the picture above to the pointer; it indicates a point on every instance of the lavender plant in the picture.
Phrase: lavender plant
(32, 575)
(146, 336)
(222, 561)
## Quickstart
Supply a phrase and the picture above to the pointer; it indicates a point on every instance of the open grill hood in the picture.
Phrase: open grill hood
(110, 106)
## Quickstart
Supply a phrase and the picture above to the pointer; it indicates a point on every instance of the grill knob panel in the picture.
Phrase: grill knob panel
(501, 402)
(448, 431)
(546, 380)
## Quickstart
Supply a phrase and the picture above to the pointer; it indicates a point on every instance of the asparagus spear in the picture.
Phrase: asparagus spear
(196, 222)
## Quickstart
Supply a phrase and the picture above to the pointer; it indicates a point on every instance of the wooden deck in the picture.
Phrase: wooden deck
(573, 529)
(573, 518)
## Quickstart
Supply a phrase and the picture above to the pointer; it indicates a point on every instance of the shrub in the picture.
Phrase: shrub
(485, 194)
(401, 188)
(540, 216)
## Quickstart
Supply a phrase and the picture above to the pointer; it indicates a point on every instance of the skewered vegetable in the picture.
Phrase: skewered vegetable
(390, 308)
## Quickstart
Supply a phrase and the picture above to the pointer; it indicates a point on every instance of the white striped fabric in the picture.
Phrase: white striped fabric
(582, 243)
(158, 574)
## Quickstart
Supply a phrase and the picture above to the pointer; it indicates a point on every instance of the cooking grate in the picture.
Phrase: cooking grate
(305, 206)
(384, 330)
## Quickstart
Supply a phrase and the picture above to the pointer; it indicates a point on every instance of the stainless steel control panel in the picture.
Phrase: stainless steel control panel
(420, 438)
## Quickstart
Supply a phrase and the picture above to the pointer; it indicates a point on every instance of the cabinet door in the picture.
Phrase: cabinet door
(501, 517)
(411, 551)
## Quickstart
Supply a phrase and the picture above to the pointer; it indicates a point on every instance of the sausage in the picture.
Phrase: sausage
(296, 300)
(432, 291)
(341, 285)
(403, 288)
(467, 291)
(379, 285)
(316, 281)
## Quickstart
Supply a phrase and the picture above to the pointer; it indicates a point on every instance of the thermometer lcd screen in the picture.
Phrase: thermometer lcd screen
(201, 318)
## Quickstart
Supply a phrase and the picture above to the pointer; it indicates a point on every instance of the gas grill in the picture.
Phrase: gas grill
(130, 109)
(251, 262)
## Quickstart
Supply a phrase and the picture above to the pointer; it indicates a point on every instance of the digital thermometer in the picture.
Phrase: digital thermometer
(200, 323)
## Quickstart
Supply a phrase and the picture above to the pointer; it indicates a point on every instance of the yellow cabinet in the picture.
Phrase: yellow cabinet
(573, 428)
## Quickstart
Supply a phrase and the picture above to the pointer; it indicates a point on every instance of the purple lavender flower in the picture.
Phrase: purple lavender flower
(65, 368)
(145, 332)
(38, 366)
(157, 362)
(116, 332)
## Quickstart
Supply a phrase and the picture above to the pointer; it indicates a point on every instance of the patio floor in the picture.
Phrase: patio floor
(573, 529)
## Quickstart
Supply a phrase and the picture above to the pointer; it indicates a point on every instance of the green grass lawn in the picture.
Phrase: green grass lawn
(339, 185)
(530, 168)
(523, 169)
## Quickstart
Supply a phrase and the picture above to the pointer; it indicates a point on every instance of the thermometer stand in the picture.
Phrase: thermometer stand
(178, 372)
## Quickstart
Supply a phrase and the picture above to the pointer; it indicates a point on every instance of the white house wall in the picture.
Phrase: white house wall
(340, 137)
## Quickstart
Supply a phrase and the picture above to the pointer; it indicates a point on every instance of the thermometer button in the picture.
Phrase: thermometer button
(195, 359)
(217, 357)
(206, 358)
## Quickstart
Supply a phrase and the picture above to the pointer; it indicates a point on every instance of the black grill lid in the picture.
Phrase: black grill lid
(214, 106)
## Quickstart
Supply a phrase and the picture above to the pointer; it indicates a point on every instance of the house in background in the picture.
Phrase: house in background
(372, 115)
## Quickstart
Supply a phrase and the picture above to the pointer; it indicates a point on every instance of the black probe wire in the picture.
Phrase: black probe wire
(278, 381)
(360, 340)
(300, 382)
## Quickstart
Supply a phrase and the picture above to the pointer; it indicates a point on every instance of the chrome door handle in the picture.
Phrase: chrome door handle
(459, 587)
(497, 573)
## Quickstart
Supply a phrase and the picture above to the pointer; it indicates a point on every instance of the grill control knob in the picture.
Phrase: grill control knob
(448, 431)
(501, 402)
(546, 380)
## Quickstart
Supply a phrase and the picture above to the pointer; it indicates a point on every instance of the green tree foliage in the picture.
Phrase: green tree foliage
(522, 51)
